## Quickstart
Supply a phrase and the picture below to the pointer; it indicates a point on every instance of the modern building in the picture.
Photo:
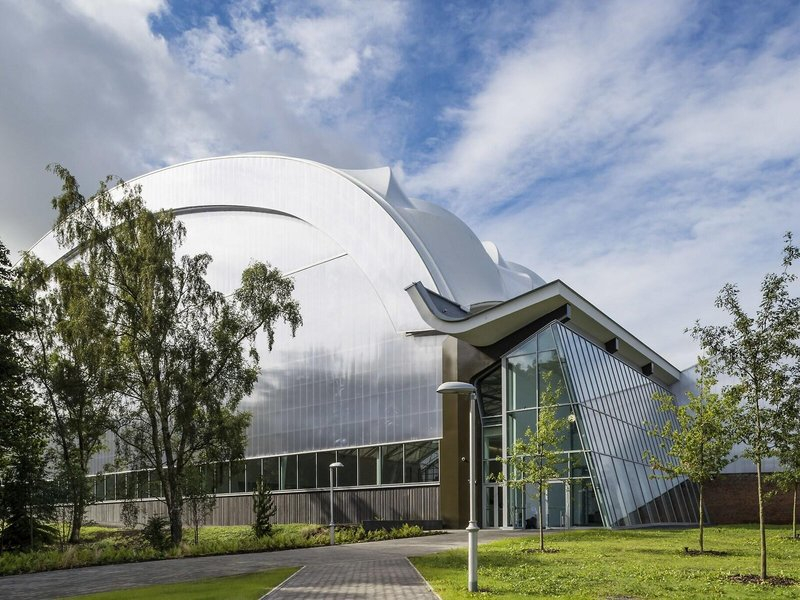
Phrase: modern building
(398, 295)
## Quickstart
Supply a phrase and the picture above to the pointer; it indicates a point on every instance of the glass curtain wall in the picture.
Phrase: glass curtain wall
(615, 403)
(604, 404)
(533, 369)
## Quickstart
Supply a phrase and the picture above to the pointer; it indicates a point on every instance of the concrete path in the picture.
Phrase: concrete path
(368, 570)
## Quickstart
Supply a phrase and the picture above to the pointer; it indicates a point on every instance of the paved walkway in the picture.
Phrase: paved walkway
(352, 571)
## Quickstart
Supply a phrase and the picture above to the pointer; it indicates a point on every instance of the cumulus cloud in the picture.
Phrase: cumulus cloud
(93, 86)
(645, 153)
(636, 153)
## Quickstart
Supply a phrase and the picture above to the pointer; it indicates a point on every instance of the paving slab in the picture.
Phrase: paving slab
(343, 571)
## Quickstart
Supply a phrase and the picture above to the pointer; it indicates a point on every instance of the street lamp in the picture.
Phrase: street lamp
(459, 387)
(332, 466)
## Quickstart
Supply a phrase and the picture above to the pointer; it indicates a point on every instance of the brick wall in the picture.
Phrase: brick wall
(732, 499)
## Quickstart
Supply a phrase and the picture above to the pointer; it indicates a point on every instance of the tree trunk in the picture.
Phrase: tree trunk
(541, 520)
(175, 525)
(794, 513)
(77, 521)
(701, 518)
(761, 527)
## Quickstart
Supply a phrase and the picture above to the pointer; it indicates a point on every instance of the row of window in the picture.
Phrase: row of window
(412, 462)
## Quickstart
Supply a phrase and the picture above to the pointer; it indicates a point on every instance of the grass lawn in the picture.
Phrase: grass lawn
(632, 564)
(238, 587)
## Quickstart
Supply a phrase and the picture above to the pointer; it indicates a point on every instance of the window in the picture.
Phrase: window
(421, 462)
(392, 464)
(306, 471)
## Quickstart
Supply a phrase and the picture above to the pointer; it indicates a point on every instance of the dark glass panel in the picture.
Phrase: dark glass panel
(585, 509)
(252, 470)
(142, 484)
(223, 478)
(392, 464)
(422, 462)
(237, 477)
(100, 488)
(289, 472)
(551, 379)
(111, 487)
(492, 442)
(368, 466)
(155, 485)
(347, 475)
(522, 382)
(518, 424)
(271, 472)
(306, 471)
(490, 393)
(546, 340)
(527, 347)
(324, 461)
(578, 466)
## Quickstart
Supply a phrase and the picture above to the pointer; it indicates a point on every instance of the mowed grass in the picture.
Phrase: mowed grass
(238, 587)
(632, 564)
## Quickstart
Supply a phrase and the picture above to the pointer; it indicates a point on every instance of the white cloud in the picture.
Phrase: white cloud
(642, 165)
(89, 84)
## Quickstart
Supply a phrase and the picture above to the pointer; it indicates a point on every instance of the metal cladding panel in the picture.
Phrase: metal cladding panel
(614, 404)
(349, 377)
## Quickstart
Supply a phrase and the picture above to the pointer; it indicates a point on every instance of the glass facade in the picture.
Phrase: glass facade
(395, 464)
(605, 480)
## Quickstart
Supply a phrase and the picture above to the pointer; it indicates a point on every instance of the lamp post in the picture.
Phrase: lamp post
(459, 387)
(332, 467)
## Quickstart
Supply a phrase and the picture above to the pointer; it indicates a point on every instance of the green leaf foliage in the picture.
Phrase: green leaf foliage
(699, 440)
(184, 354)
(532, 461)
(756, 351)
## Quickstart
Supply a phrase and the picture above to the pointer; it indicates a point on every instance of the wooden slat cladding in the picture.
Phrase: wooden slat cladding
(350, 506)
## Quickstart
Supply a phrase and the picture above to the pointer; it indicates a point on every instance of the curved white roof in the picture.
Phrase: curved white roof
(395, 239)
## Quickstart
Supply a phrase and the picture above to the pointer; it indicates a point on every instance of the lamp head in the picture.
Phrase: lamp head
(456, 387)
(336, 465)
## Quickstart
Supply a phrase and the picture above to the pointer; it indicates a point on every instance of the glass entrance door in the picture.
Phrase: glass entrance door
(556, 505)
(492, 506)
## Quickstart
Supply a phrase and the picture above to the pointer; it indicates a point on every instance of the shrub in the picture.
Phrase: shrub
(130, 514)
(156, 533)
(264, 509)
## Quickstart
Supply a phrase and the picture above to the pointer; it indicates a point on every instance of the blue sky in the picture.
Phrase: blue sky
(644, 152)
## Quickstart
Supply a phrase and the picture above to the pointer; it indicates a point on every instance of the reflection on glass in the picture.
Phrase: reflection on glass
(289, 472)
(519, 422)
(272, 472)
(522, 382)
(347, 475)
(490, 393)
(421, 462)
(252, 473)
(237, 477)
(585, 510)
(324, 461)
(306, 471)
(392, 464)
(368, 466)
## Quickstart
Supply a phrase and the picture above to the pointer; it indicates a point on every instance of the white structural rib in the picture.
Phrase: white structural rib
(491, 325)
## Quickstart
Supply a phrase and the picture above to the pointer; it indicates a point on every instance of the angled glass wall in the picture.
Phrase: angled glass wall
(604, 479)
